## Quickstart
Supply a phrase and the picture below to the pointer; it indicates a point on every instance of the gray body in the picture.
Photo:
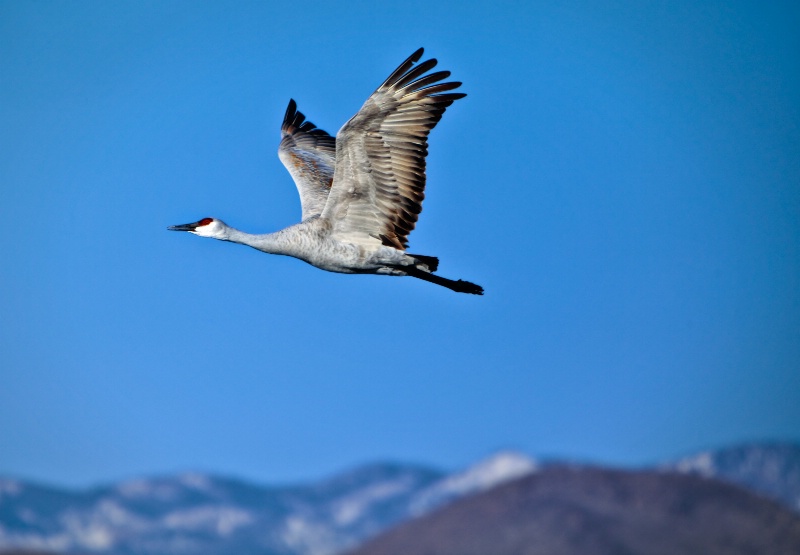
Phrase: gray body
(311, 241)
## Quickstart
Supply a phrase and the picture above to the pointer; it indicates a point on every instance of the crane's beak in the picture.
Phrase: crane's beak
(183, 227)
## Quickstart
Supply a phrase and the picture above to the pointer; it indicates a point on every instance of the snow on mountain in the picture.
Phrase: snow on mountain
(584, 510)
(200, 514)
(197, 514)
(350, 507)
(495, 470)
(771, 469)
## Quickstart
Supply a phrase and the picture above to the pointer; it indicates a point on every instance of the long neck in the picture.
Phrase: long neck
(272, 243)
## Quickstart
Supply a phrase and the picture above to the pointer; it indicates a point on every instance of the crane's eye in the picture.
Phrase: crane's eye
(205, 221)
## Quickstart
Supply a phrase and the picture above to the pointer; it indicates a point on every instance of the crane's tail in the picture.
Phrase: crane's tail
(430, 261)
(459, 286)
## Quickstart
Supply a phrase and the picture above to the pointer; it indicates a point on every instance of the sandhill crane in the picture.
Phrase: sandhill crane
(361, 193)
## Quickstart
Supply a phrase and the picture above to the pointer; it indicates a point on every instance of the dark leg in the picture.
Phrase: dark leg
(459, 286)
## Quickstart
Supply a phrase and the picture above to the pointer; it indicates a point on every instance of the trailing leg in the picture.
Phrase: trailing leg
(460, 286)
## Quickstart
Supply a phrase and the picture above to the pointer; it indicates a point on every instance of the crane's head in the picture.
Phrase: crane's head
(207, 227)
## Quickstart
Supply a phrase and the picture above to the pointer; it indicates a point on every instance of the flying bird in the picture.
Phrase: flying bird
(361, 192)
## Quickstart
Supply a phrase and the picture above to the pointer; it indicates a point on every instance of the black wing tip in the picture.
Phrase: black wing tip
(403, 68)
(291, 110)
(294, 121)
(416, 78)
(291, 117)
(451, 97)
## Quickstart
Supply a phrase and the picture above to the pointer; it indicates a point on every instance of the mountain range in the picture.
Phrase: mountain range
(581, 510)
(771, 469)
(201, 514)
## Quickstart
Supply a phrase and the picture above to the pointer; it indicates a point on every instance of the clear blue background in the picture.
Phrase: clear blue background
(623, 178)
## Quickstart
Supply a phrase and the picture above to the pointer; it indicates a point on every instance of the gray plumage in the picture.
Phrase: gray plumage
(310, 156)
(361, 193)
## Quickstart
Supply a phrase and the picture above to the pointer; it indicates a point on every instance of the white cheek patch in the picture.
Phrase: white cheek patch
(214, 230)
(204, 230)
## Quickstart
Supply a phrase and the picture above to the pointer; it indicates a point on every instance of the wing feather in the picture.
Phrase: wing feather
(379, 183)
(309, 154)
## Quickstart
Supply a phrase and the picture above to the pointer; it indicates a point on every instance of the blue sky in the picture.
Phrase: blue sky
(623, 179)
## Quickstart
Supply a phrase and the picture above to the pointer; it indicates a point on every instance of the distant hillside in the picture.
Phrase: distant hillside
(772, 469)
(199, 514)
(591, 511)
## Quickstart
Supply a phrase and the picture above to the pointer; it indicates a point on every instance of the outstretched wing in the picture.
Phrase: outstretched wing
(379, 182)
(310, 156)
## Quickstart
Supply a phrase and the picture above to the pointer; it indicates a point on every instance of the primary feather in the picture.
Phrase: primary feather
(379, 181)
